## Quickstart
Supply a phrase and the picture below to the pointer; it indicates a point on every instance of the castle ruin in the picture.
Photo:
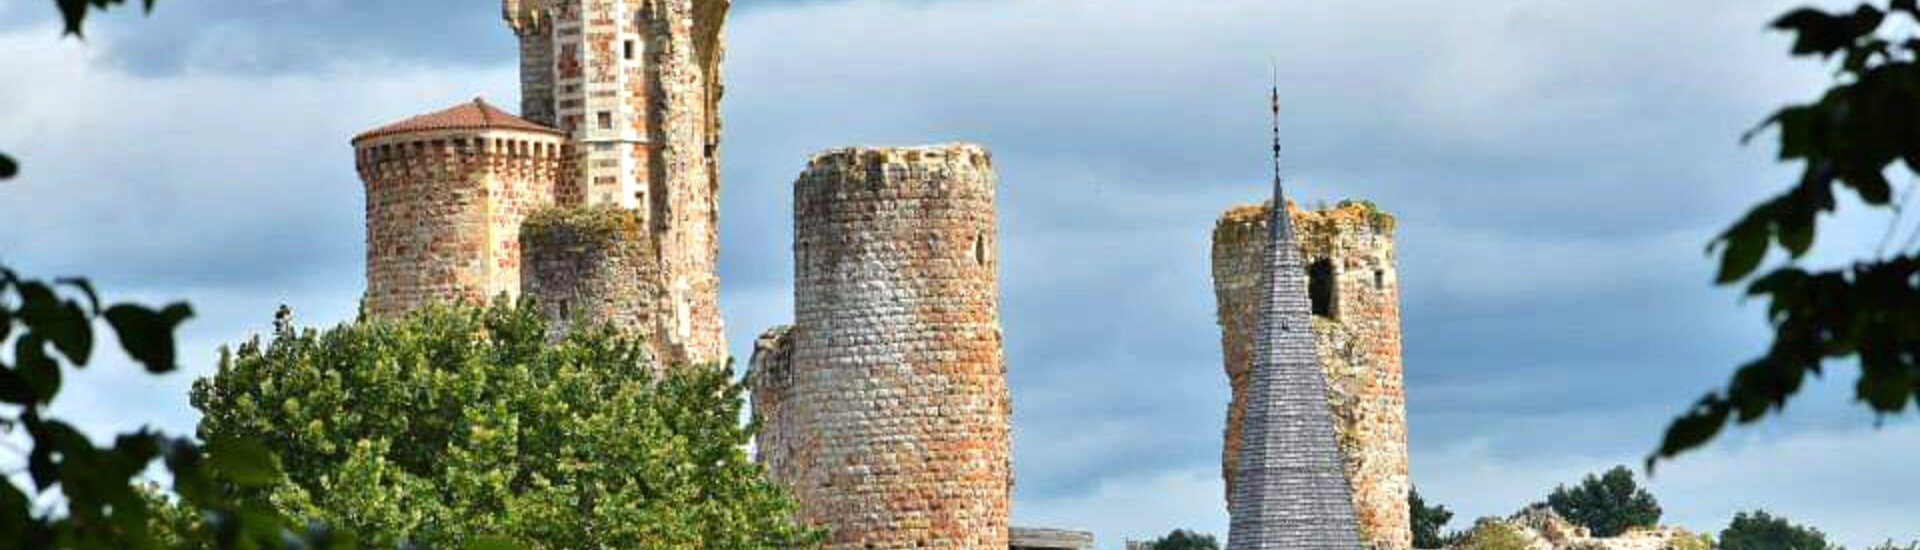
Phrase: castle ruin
(1349, 257)
(616, 162)
(884, 408)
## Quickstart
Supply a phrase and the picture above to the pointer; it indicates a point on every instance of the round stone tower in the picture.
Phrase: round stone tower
(888, 409)
(446, 193)
(1354, 287)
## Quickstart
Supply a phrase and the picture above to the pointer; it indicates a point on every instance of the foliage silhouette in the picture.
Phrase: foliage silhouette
(1428, 521)
(1759, 530)
(1607, 505)
(84, 496)
(1851, 137)
(1181, 539)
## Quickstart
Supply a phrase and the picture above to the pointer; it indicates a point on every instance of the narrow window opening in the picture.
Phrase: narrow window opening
(1380, 279)
(1320, 288)
(980, 249)
(606, 120)
(629, 49)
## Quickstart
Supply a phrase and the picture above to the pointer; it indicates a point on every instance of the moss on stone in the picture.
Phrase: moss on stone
(1491, 534)
(599, 223)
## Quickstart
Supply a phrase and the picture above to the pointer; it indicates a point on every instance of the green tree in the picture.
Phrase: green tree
(1608, 504)
(1759, 530)
(458, 421)
(1852, 136)
(1182, 539)
(1429, 522)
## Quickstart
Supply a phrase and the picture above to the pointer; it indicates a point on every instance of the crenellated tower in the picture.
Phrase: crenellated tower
(445, 196)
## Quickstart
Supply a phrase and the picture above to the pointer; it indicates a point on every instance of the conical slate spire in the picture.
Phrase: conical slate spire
(1292, 492)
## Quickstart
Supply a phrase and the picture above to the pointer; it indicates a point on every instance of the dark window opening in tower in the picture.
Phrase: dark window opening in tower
(1320, 288)
(1380, 279)
(629, 50)
(606, 120)
(980, 249)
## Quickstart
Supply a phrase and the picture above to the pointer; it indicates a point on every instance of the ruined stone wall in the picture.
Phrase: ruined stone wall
(889, 417)
(595, 266)
(1542, 529)
(443, 209)
(1350, 258)
(684, 60)
(769, 386)
(532, 23)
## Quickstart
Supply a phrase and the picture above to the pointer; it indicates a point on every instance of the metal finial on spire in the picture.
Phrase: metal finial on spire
(1275, 68)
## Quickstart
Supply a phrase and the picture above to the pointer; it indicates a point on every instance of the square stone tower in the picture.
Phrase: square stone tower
(635, 87)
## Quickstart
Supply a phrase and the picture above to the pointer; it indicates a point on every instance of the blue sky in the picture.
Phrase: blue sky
(1557, 167)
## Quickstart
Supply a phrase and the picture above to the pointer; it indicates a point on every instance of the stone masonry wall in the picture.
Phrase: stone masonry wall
(685, 63)
(889, 417)
(1349, 253)
(769, 386)
(597, 266)
(443, 209)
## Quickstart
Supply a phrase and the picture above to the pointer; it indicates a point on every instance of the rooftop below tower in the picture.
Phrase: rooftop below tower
(471, 115)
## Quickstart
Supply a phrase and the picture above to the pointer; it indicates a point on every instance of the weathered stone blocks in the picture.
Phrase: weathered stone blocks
(599, 267)
(1350, 257)
(885, 408)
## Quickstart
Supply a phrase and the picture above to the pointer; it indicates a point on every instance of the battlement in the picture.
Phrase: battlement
(970, 155)
(526, 17)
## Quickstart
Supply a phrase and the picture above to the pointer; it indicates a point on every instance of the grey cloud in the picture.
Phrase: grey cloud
(1556, 168)
(275, 37)
(1556, 175)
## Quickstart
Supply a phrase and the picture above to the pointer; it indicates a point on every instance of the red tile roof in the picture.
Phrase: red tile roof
(472, 115)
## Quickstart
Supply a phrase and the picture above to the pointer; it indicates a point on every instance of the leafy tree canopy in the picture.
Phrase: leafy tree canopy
(1851, 137)
(455, 422)
(1759, 530)
(1182, 539)
(1429, 522)
(1607, 505)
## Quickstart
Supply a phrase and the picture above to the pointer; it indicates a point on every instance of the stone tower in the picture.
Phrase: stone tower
(1354, 289)
(885, 407)
(635, 85)
(445, 196)
(1290, 491)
